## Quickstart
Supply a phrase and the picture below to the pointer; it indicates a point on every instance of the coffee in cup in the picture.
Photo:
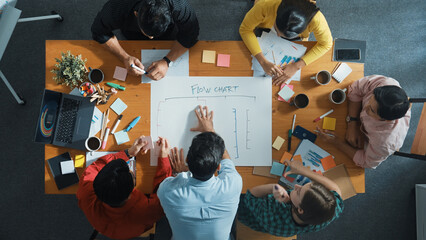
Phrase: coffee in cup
(96, 75)
(322, 77)
(93, 144)
(300, 101)
(338, 96)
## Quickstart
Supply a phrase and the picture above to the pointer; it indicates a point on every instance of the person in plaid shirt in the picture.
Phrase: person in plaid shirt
(309, 208)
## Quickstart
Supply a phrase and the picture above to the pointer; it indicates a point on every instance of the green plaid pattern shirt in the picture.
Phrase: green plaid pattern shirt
(270, 216)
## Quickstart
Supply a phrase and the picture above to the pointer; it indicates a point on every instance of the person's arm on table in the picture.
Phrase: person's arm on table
(158, 69)
(253, 18)
(339, 143)
(164, 169)
(354, 136)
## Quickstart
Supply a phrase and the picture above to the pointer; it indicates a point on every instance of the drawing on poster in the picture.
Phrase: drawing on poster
(238, 103)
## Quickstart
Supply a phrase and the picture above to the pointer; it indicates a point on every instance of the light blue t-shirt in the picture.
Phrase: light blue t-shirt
(202, 210)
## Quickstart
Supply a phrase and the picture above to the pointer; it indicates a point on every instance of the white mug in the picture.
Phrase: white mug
(338, 96)
(93, 144)
(323, 77)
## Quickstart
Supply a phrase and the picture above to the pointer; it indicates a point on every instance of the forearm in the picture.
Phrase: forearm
(114, 46)
(346, 148)
(176, 51)
(163, 171)
(261, 58)
(262, 190)
(354, 108)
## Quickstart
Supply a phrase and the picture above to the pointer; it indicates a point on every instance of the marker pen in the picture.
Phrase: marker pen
(137, 68)
(116, 124)
(105, 138)
(133, 123)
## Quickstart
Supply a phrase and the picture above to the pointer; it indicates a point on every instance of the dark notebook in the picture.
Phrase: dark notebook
(62, 181)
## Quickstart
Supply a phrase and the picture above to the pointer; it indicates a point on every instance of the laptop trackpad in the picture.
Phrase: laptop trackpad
(80, 130)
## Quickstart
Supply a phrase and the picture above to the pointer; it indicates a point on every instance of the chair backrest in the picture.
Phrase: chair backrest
(418, 149)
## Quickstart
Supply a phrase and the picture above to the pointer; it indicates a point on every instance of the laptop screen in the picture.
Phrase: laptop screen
(48, 116)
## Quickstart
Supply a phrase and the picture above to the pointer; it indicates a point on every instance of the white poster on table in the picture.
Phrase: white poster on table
(242, 109)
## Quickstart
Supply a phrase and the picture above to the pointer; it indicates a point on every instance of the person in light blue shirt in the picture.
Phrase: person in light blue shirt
(198, 204)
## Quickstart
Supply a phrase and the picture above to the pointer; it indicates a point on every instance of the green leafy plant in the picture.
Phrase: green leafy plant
(70, 70)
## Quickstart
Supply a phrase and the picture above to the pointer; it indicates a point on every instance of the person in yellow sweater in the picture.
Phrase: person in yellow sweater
(292, 20)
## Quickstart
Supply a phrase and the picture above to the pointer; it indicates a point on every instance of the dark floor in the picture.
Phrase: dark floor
(395, 31)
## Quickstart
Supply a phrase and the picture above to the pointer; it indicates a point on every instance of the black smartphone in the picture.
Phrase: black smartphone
(348, 54)
(302, 133)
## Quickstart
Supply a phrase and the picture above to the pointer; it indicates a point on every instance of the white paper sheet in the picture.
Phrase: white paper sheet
(180, 66)
(242, 114)
(96, 123)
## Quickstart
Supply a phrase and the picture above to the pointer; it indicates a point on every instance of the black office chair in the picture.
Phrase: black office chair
(412, 155)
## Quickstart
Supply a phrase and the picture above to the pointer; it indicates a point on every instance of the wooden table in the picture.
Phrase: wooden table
(137, 97)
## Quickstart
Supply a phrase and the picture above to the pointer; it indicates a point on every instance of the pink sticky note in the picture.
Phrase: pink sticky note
(223, 60)
(286, 93)
(282, 85)
(120, 73)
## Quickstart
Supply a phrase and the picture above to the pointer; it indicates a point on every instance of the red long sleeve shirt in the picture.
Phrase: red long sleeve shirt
(137, 215)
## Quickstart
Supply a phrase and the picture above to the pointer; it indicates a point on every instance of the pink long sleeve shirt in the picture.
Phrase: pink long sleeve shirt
(383, 137)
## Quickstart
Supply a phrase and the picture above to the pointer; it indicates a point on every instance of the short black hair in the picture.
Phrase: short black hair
(318, 204)
(154, 17)
(205, 154)
(392, 102)
(293, 16)
(114, 183)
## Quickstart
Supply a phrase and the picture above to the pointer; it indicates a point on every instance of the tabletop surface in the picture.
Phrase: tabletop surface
(137, 97)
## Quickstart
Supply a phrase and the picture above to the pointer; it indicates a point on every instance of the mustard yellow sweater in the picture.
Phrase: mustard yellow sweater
(263, 15)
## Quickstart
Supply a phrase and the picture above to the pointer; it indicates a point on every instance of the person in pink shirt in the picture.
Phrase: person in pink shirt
(377, 122)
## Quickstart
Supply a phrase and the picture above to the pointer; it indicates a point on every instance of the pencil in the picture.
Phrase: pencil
(273, 55)
(336, 67)
(102, 125)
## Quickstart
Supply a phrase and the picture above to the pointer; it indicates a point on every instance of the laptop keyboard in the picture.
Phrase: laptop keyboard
(66, 120)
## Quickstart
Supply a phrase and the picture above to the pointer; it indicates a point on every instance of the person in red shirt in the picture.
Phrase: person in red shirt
(108, 197)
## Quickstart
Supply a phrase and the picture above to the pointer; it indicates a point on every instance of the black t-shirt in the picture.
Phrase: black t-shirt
(119, 14)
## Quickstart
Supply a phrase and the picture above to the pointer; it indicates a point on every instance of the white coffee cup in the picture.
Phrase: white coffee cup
(323, 77)
(338, 96)
(93, 144)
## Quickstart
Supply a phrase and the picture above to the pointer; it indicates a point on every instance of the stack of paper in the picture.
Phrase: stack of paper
(270, 42)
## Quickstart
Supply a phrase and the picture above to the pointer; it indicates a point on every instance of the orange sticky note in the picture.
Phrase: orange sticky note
(328, 162)
(297, 158)
(286, 156)
(223, 60)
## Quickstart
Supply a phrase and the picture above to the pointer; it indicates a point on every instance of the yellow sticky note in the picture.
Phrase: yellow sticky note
(329, 123)
(209, 56)
(278, 143)
(79, 161)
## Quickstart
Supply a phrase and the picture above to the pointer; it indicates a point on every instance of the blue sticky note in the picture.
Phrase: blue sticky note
(277, 169)
(118, 106)
(121, 137)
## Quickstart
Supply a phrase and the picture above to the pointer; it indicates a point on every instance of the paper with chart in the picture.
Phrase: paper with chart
(242, 114)
(285, 52)
(179, 67)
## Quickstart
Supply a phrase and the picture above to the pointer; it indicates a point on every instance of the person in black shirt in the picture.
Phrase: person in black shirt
(144, 20)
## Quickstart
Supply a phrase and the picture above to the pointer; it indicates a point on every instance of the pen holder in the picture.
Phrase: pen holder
(87, 89)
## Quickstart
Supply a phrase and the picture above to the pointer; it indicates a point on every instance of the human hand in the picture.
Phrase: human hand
(205, 119)
(288, 72)
(296, 167)
(138, 144)
(271, 69)
(164, 147)
(177, 160)
(128, 64)
(157, 70)
(354, 136)
(280, 194)
(326, 136)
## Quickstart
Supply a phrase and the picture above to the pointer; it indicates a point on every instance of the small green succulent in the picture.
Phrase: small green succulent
(70, 70)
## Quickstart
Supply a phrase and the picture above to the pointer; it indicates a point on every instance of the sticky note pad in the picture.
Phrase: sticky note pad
(328, 162)
(286, 156)
(121, 137)
(286, 93)
(79, 161)
(118, 106)
(283, 85)
(67, 167)
(223, 60)
(149, 145)
(329, 123)
(278, 143)
(209, 56)
(277, 169)
(298, 158)
(120, 73)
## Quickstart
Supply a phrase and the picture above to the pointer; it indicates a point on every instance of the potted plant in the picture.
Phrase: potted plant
(70, 70)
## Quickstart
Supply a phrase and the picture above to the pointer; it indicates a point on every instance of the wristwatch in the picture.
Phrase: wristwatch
(168, 61)
(350, 119)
